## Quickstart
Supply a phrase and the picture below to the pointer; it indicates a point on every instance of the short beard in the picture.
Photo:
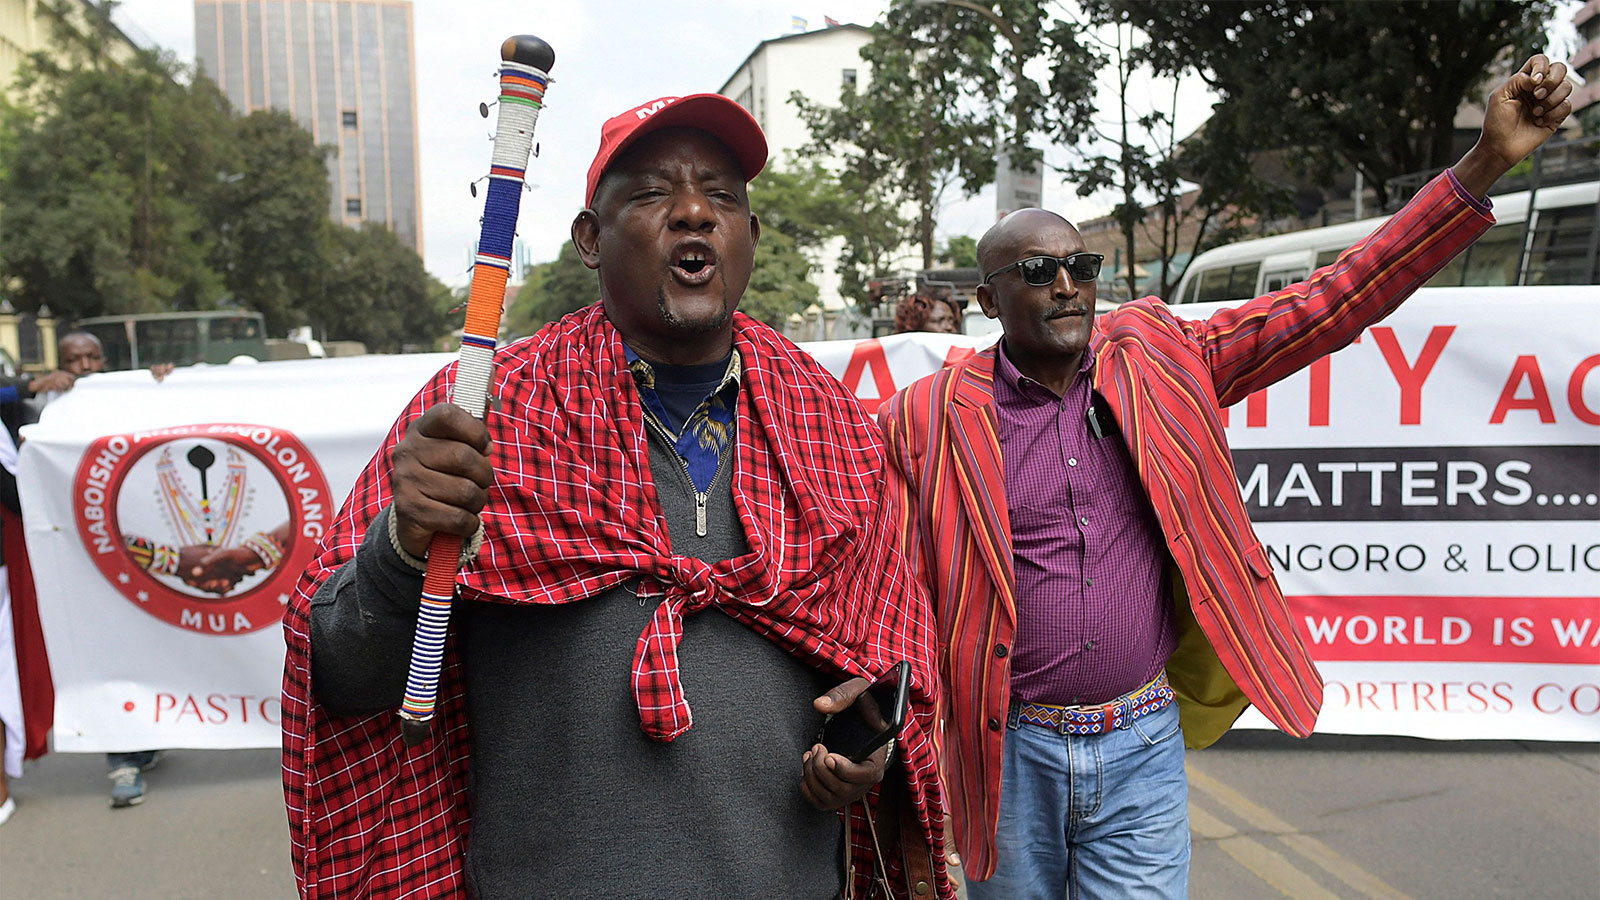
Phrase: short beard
(706, 326)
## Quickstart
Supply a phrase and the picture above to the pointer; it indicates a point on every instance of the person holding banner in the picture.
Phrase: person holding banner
(79, 353)
(1101, 595)
(682, 555)
(27, 696)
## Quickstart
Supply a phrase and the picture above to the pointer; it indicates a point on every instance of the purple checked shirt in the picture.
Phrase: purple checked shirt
(1094, 611)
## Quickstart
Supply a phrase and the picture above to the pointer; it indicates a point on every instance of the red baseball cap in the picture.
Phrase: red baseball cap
(715, 114)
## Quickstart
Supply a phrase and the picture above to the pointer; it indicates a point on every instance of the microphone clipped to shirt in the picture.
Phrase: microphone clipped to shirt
(1102, 424)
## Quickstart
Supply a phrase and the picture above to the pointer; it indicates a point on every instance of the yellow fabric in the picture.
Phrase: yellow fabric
(1209, 701)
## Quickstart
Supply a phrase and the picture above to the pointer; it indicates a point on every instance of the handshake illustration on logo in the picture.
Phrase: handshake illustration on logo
(204, 567)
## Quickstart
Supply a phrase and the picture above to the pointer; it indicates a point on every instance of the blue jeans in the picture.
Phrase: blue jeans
(1089, 817)
(138, 759)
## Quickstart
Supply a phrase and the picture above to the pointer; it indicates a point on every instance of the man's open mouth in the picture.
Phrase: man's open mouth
(694, 266)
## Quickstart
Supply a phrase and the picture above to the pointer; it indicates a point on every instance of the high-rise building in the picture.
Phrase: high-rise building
(1586, 61)
(346, 71)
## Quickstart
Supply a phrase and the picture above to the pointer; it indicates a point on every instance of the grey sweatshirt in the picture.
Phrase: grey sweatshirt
(569, 798)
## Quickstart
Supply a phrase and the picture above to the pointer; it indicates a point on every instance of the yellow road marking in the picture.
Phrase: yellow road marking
(1320, 854)
(1267, 864)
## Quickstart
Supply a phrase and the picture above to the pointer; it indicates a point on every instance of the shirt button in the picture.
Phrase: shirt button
(1088, 582)
(1000, 650)
(994, 724)
(1084, 520)
(1089, 646)
(1072, 460)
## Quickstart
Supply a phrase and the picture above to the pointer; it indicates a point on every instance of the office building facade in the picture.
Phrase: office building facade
(346, 71)
(1586, 61)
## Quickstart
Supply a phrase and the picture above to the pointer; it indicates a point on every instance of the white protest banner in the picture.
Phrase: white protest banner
(121, 472)
(1427, 497)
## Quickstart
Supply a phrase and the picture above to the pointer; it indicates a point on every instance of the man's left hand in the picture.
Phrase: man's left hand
(1519, 114)
(830, 781)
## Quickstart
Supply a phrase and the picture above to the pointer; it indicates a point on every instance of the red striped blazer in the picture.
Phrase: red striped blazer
(1166, 381)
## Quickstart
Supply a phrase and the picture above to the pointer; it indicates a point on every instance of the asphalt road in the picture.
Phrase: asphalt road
(1332, 817)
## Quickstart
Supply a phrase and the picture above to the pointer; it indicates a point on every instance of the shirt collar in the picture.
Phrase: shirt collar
(644, 374)
(1015, 387)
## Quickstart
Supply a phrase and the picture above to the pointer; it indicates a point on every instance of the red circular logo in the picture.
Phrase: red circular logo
(205, 527)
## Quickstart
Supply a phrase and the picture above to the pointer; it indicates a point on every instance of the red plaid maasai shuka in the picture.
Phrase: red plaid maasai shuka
(573, 512)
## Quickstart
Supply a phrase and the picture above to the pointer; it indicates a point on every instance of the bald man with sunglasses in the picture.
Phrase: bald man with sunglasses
(1102, 599)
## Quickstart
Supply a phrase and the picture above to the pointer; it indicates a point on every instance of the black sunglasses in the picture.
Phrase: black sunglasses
(1041, 270)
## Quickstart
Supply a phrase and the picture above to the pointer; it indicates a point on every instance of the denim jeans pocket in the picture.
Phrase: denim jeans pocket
(1159, 726)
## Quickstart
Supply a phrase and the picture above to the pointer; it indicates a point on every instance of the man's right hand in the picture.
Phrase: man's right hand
(442, 473)
(59, 380)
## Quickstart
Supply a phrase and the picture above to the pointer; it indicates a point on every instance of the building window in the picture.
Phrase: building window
(850, 80)
(352, 206)
(349, 118)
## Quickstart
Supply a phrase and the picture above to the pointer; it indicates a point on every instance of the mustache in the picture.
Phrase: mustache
(1076, 308)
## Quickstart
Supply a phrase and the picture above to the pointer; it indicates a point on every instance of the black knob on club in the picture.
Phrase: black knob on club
(528, 50)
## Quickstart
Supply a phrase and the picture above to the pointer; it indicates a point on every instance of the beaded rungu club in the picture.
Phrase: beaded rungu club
(524, 74)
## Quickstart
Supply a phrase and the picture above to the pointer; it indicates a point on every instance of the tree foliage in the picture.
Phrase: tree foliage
(552, 289)
(133, 187)
(804, 202)
(948, 93)
(935, 113)
(1289, 79)
(107, 189)
(271, 213)
(779, 285)
(376, 291)
(800, 209)
(960, 251)
(1133, 152)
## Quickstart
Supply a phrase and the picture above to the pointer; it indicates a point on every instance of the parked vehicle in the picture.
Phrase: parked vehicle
(1556, 244)
(183, 338)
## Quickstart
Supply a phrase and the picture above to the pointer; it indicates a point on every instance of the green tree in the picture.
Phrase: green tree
(873, 227)
(107, 177)
(780, 282)
(961, 251)
(551, 290)
(1136, 156)
(131, 187)
(812, 204)
(804, 201)
(800, 209)
(270, 213)
(1289, 80)
(936, 111)
(375, 290)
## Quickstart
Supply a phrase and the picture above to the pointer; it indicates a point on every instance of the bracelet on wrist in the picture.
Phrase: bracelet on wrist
(469, 548)
(265, 548)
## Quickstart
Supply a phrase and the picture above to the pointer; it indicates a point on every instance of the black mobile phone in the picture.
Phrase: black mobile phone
(873, 720)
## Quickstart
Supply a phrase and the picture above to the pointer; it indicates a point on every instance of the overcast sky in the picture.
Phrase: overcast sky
(611, 55)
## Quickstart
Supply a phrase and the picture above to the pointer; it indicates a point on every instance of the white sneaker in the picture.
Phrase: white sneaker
(7, 808)
(127, 787)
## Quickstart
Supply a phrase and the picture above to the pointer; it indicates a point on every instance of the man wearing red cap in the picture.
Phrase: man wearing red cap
(682, 555)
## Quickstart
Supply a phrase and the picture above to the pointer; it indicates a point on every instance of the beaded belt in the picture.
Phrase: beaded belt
(1101, 718)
